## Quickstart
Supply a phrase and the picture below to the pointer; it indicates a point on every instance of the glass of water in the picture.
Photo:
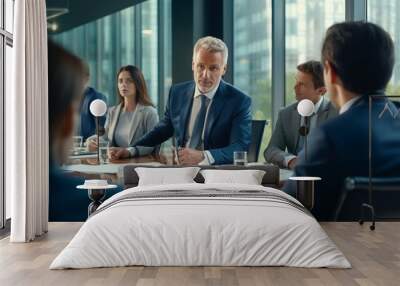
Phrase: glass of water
(77, 144)
(240, 158)
(103, 150)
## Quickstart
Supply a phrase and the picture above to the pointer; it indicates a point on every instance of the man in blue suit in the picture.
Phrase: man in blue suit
(358, 61)
(209, 118)
(87, 123)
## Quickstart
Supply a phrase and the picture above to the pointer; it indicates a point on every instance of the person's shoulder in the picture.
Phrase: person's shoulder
(183, 85)
(233, 90)
(235, 95)
(149, 109)
(343, 127)
(289, 109)
(95, 94)
(337, 125)
(111, 109)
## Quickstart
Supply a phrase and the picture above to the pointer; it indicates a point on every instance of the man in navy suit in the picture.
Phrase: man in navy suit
(209, 118)
(358, 61)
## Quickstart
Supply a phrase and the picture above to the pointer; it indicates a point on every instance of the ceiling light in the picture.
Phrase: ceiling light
(52, 26)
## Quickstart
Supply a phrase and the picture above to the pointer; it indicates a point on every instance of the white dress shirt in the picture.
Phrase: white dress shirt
(208, 158)
(348, 104)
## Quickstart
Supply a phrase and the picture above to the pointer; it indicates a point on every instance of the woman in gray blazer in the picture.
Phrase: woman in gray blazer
(131, 119)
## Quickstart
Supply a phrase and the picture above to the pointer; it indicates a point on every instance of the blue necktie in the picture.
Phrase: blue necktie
(195, 140)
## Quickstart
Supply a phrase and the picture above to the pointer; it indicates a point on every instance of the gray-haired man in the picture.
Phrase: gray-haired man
(209, 118)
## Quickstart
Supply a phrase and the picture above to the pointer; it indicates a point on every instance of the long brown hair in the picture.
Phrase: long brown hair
(65, 87)
(142, 95)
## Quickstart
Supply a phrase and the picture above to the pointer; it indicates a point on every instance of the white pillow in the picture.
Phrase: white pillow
(165, 176)
(248, 177)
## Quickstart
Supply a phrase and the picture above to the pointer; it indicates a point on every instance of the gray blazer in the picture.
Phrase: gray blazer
(143, 121)
(285, 136)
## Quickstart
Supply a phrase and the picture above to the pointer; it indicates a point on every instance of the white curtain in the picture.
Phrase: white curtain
(27, 158)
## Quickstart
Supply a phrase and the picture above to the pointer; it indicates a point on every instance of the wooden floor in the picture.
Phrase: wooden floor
(375, 257)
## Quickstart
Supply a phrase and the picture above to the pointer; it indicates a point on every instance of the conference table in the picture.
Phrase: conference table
(89, 168)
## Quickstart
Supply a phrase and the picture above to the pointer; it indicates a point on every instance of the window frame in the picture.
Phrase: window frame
(6, 39)
(163, 70)
(355, 10)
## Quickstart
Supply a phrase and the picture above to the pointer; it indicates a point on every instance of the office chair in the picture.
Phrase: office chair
(257, 131)
(369, 184)
(363, 184)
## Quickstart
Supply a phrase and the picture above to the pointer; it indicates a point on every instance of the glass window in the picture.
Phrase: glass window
(306, 23)
(150, 47)
(127, 24)
(106, 58)
(9, 15)
(106, 45)
(91, 52)
(252, 57)
(387, 15)
(109, 43)
(9, 64)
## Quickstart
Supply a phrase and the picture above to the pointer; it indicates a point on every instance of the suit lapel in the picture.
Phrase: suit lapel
(114, 122)
(185, 113)
(323, 111)
(137, 118)
(296, 121)
(215, 109)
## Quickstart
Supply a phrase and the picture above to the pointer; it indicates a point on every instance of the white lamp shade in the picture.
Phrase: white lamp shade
(98, 107)
(305, 107)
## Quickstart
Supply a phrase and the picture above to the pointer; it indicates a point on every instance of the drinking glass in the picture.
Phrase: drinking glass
(104, 151)
(77, 144)
(240, 158)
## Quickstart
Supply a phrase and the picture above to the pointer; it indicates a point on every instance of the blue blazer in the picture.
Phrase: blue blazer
(87, 125)
(339, 149)
(228, 125)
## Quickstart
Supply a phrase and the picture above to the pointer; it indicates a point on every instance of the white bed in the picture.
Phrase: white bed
(236, 229)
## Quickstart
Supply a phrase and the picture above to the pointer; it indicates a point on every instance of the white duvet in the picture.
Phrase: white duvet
(200, 231)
